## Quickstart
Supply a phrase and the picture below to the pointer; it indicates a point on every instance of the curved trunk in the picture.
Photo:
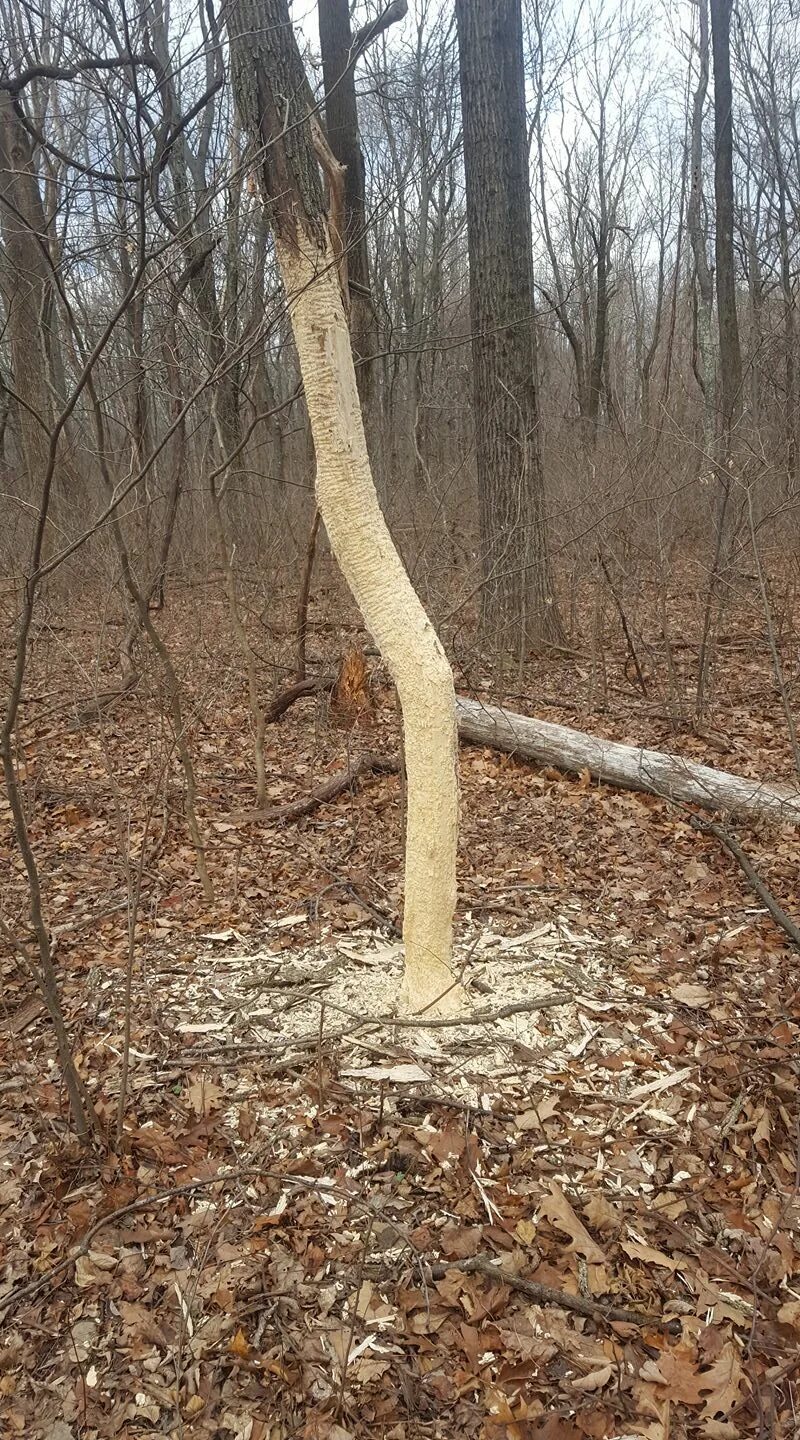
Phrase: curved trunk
(267, 68)
(393, 614)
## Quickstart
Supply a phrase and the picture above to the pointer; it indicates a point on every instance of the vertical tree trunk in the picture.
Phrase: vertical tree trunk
(730, 360)
(707, 369)
(341, 122)
(26, 281)
(273, 101)
(517, 590)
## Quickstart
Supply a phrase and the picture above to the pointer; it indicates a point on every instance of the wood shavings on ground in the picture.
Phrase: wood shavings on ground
(362, 1197)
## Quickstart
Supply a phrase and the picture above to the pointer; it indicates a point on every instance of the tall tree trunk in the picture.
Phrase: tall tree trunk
(26, 280)
(730, 359)
(341, 122)
(274, 104)
(517, 590)
(707, 369)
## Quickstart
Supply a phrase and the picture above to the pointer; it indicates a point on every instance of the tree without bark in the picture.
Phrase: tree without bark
(274, 104)
(629, 766)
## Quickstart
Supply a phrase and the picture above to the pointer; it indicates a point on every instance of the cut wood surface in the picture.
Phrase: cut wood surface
(630, 766)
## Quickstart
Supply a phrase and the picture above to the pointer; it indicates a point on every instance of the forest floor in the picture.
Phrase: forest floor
(577, 1219)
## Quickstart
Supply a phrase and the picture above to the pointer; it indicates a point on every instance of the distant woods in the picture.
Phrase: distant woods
(571, 260)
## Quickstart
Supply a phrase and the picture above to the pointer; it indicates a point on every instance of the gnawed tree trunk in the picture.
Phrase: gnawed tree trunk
(629, 766)
(274, 103)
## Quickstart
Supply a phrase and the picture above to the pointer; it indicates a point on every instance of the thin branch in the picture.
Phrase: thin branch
(784, 921)
(16, 83)
(547, 1295)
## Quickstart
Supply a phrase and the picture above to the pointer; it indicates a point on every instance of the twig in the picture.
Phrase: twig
(547, 1295)
(354, 1315)
(474, 1017)
(624, 622)
(341, 781)
(779, 915)
(15, 1297)
(301, 618)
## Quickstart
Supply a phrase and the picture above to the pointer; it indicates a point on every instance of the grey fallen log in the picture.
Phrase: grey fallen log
(628, 766)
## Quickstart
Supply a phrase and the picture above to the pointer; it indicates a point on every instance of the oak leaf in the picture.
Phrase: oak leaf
(557, 1209)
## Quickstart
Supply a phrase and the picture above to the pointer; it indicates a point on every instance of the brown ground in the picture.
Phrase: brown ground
(636, 1145)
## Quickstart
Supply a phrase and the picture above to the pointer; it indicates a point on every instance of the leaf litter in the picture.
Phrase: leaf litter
(323, 1224)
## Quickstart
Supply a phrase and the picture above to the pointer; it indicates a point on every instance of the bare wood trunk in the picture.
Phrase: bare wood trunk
(274, 103)
(629, 766)
(394, 616)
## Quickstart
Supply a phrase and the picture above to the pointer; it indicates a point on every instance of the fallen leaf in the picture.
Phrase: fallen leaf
(557, 1209)
(239, 1346)
(601, 1213)
(789, 1314)
(697, 997)
(722, 1382)
(203, 1095)
(595, 1381)
(647, 1254)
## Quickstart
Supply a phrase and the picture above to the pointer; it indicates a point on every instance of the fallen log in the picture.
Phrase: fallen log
(629, 766)
(300, 688)
(343, 780)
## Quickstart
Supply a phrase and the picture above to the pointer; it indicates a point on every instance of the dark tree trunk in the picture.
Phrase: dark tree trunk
(341, 122)
(705, 369)
(26, 281)
(517, 589)
(600, 330)
(730, 360)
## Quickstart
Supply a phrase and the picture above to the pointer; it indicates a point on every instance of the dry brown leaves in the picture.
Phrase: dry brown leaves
(648, 1158)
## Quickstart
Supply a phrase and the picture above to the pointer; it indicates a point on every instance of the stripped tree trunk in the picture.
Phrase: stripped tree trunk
(274, 104)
